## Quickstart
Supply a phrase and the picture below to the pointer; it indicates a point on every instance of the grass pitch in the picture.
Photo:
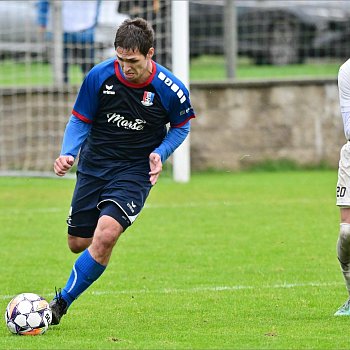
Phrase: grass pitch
(228, 261)
(201, 68)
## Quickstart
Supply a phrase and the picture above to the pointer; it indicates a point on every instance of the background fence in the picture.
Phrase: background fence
(36, 98)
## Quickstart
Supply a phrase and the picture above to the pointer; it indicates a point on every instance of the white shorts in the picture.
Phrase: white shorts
(343, 184)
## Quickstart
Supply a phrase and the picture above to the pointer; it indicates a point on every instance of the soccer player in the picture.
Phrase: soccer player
(119, 125)
(343, 185)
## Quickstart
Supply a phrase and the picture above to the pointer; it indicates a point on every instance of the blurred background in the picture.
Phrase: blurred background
(253, 65)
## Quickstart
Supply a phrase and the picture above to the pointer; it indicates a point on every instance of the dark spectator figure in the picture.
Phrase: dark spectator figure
(79, 19)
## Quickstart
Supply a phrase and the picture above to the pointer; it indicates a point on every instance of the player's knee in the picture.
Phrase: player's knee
(78, 244)
(344, 233)
(107, 233)
(75, 248)
(107, 237)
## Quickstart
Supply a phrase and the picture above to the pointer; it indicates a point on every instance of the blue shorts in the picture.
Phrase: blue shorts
(120, 192)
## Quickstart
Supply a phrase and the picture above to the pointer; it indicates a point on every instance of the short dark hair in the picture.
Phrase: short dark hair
(135, 34)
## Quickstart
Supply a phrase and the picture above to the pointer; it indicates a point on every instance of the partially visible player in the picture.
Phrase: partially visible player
(343, 185)
(119, 124)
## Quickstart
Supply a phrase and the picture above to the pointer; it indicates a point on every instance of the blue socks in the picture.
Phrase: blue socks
(85, 271)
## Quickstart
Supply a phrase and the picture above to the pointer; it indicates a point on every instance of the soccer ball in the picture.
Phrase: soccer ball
(28, 314)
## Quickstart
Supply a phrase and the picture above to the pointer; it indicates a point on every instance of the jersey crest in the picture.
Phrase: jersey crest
(147, 99)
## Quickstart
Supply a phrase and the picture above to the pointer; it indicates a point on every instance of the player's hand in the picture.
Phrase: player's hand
(63, 164)
(156, 166)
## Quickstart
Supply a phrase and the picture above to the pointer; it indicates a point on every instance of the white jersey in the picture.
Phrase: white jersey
(344, 96)
(343, 184)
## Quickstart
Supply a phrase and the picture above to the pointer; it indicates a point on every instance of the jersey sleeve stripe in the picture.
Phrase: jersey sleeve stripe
(81, 117)
(182, 123)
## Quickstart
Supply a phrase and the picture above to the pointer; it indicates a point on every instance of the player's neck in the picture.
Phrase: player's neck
(147, 73)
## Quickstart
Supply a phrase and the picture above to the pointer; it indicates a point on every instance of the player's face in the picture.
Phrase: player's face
(136, 67)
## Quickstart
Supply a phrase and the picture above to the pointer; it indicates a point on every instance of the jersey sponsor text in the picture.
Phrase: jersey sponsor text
(122, 122)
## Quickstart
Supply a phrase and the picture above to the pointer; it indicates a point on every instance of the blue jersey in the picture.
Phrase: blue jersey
(128, 121)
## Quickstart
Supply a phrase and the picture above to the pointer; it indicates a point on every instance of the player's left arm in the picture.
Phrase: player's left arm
(176, 101)
(180, 112)
(171, 142)
(173, 139)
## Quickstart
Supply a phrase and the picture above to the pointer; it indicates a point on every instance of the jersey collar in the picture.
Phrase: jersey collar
(120, 76)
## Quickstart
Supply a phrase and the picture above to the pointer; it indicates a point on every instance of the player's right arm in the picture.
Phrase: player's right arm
(75, 134)
(80, 122)
(63, 164)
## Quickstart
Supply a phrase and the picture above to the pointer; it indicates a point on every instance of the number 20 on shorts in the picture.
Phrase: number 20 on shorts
(341, 191)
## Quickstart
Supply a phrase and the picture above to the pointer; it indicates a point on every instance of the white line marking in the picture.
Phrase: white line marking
(203, 289)
(218, 288)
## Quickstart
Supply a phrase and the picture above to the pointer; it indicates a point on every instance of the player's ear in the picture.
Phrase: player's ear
(150, 53)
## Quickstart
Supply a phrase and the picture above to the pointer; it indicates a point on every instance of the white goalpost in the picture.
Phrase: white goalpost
(180, 67)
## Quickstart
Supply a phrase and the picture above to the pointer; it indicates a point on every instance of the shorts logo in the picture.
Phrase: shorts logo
(131, 206)
(147, 99)
(109, 90)
(69, 219)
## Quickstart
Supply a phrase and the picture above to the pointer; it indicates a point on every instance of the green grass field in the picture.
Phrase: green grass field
(201, 68)
(213, 68)
(227, 261)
